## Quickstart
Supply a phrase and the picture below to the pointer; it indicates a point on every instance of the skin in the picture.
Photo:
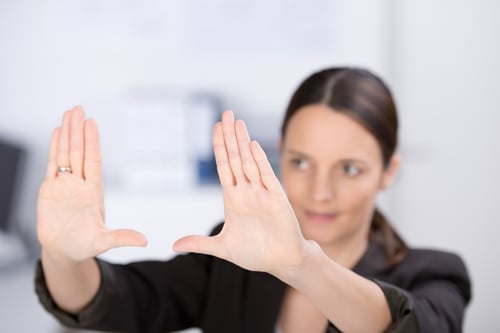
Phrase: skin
(261, 231)
(332, 170)
(70, 214)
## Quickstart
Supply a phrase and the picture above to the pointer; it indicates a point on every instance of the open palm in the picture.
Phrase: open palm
(260, 232)
(70, 212)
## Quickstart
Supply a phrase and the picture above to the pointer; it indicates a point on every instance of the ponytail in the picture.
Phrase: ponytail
(383, 233)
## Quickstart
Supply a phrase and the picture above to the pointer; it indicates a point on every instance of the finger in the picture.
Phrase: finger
(223, 169)
(233, 152)
(248, 162)
(63, 147)
(76, 141)
(92, 162)
(198, 244)
(118, 238)
(267, 175)
(52, 163)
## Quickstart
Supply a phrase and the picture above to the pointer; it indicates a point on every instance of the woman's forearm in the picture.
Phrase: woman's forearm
(350, 301)
(71, 285)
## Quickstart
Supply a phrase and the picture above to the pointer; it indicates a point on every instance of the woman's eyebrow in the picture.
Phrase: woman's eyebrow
(295, 152)
(342, 160)
(354, 160)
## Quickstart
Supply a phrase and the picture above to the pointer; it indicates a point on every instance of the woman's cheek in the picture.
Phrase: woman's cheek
(358, 196)
(362, 200)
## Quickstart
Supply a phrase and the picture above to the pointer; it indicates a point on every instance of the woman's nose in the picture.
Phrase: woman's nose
(322, 188)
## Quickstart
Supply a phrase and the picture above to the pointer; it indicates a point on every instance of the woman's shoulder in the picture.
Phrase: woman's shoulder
(418, 263)
(416, 260)
(433, 259)
(422, 265)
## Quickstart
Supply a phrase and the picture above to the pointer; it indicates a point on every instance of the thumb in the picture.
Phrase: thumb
(118, 238)
(198, 244)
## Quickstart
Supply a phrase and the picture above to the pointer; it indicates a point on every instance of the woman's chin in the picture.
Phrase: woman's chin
(319, 235)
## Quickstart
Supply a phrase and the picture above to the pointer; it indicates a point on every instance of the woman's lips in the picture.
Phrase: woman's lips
(321, 217)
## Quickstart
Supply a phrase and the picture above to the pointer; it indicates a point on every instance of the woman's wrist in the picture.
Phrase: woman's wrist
(297, 271)
(62, 262)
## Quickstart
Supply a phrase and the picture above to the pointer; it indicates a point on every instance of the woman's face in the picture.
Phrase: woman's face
(332, 169)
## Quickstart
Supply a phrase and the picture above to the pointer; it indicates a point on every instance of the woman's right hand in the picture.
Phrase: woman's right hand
(70, 212)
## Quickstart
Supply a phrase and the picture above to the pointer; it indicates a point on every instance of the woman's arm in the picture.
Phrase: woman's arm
(72, 285)
(350, 301)
(261, 233)
(70, 214)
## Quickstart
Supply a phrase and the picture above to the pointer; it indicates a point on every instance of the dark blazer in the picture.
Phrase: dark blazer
(427, 292)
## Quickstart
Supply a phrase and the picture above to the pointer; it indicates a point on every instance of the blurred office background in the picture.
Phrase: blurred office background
(156, 74)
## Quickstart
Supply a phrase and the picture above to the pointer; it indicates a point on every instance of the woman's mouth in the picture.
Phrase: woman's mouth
(321, 217)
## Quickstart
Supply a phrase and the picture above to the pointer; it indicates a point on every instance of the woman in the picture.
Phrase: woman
(319, 258)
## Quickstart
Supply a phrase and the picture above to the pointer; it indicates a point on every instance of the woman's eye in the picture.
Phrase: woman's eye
(300, 164)
(351, 170)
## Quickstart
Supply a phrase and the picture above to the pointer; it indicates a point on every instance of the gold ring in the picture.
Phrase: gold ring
(64, 169)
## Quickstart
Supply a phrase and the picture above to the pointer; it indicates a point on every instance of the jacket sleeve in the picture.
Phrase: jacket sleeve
(144, 296)
(86, 317)
(148, 296)
(433, 297)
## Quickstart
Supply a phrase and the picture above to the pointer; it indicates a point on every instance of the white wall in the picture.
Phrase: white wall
(447, 59)
(441, 59)
(55, 54)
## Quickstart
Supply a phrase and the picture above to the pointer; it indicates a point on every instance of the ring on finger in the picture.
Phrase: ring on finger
(63, 169)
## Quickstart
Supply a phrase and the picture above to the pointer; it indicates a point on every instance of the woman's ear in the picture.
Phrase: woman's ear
(390, 171)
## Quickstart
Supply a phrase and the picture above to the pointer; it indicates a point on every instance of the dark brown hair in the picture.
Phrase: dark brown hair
(365, 98)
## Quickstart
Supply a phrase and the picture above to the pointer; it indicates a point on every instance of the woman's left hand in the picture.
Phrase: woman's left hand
(261, 232)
